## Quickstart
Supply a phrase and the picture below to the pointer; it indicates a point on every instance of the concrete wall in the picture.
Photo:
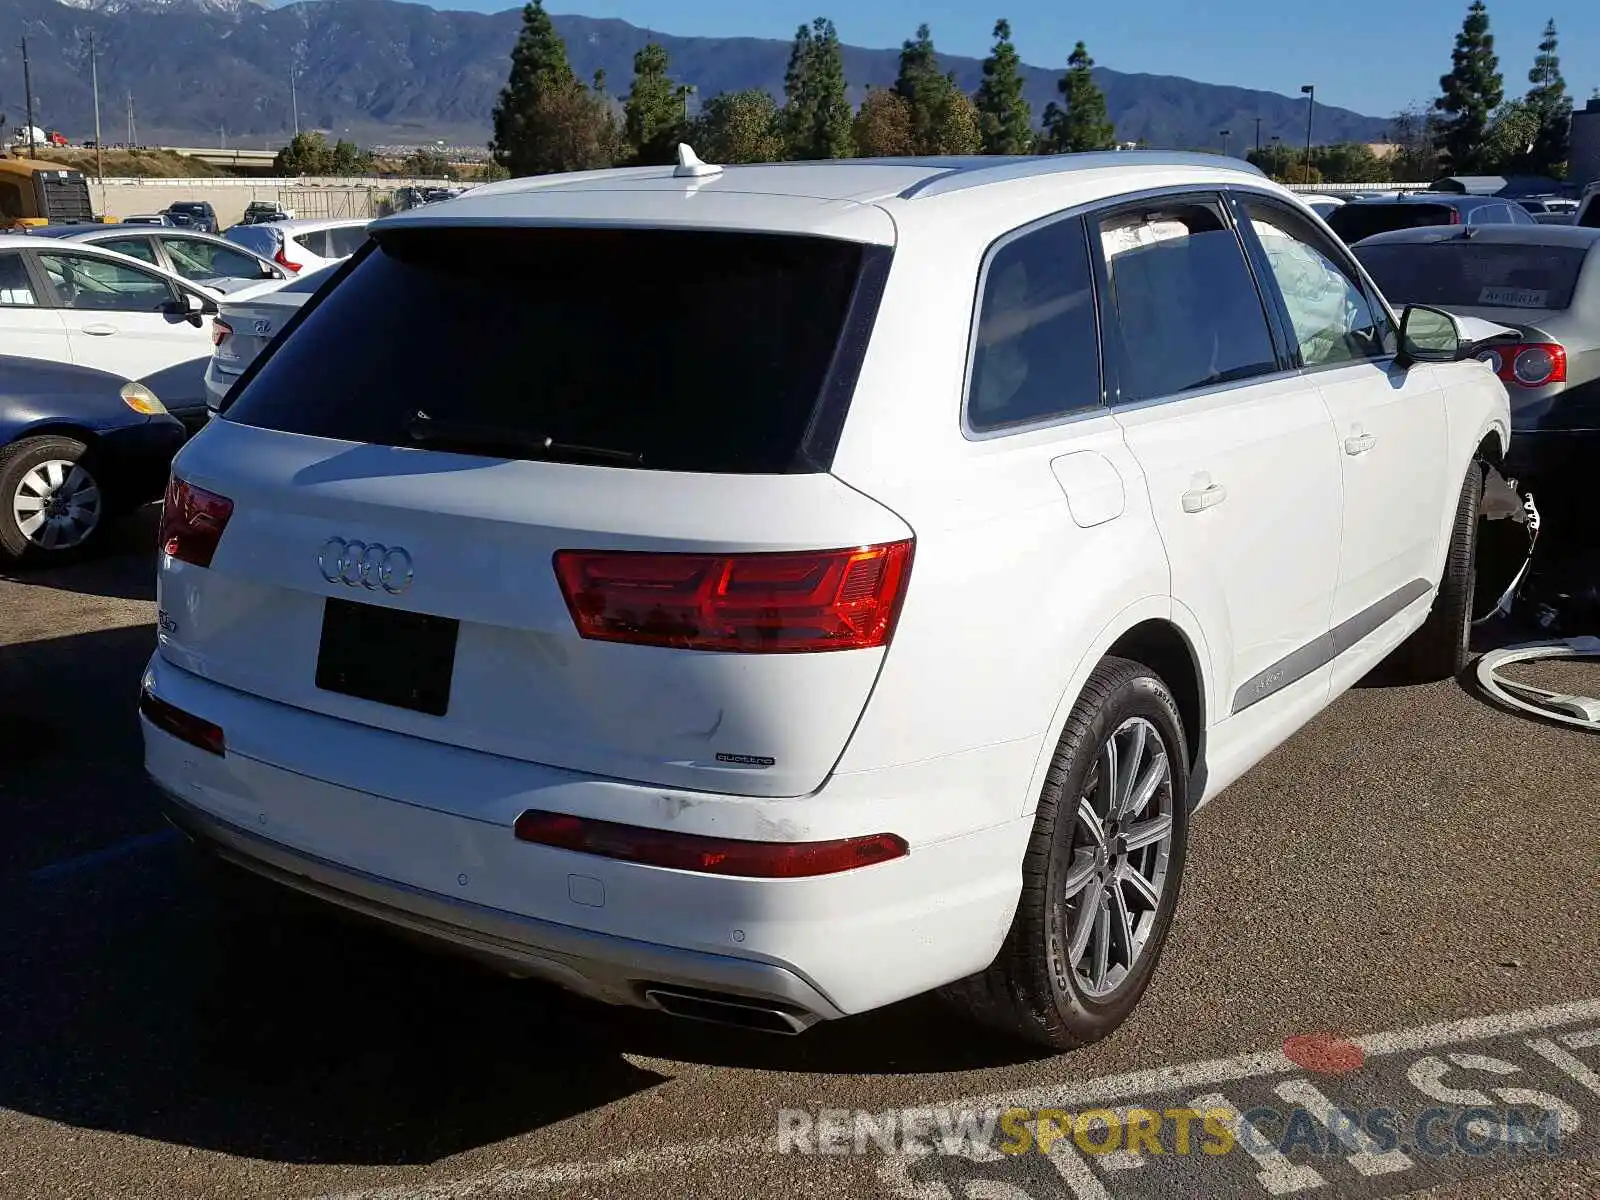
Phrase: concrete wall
(307, 197)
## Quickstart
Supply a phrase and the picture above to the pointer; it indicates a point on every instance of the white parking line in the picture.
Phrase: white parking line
(1105, 1091)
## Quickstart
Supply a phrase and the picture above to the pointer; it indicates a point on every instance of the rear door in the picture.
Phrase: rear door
(117, 315)
(1236, 446)
(1388, 421)
(676, 591)
(29, 326)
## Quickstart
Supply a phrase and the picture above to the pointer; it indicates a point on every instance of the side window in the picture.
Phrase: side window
(346, 241)
(195, 259)
(100, 285)
(1184, 304)
(16, 289)
(139, 248)
(314, 242)
(1332, 318)
(10, 201)
(1037, 355)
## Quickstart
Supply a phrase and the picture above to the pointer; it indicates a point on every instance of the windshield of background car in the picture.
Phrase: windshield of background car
(1353, 222)
(694, 351)
(1462, 273)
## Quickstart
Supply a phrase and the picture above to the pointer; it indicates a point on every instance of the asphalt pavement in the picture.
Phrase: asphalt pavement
(1397, 913)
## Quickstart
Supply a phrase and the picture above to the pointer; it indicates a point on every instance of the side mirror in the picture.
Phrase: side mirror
(193, 308)
(1430, 335)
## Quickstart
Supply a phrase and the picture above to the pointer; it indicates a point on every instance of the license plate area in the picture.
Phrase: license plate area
(401, 659)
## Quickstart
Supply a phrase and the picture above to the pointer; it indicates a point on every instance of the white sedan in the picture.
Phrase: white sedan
(72, 302)
(247, 322)
(300, 246)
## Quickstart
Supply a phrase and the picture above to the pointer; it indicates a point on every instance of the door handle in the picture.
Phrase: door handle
(99, 330)
(1359, 443)
(1196, 499)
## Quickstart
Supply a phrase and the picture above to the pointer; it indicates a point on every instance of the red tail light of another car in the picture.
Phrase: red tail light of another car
(221, 331)
(282, 260)
(192, 521)
(755, 603)
(1529, 364)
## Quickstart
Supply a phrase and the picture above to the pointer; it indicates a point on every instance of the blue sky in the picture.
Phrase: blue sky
(1374, 56)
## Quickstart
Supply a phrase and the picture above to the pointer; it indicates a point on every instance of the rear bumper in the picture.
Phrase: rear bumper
(419, 835)
(610, 969)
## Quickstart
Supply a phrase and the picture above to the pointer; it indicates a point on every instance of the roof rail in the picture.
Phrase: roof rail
(974, 170)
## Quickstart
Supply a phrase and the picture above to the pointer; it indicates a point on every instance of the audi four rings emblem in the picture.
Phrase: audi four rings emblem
(366, 564)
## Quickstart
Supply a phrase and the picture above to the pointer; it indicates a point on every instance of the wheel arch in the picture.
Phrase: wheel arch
(55, 428)
(1161, 635)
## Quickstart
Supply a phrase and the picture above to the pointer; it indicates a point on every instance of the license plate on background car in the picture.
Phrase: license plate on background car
(391, 657)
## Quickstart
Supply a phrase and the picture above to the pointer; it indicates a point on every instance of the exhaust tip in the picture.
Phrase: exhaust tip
(745, 1012)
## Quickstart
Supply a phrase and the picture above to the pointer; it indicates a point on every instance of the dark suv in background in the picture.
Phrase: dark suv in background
(1380, 214)
(194, 214)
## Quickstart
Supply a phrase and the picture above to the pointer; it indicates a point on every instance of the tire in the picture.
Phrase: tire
(1036, 988)
(45, 471)
(1441, 647)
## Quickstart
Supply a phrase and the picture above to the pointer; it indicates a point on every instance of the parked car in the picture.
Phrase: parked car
(497, 609)
(1362, 218)
(78, 448)
(1545, 205)
(1320, 204)
(197, 214)
(1588, 214)
(80, 303)
(302, 245)
(246, 325)
(1542, 281)
(259, 211)
(146, 219)
(219, 265)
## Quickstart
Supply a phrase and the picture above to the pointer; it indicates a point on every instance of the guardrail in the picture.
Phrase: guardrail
(1340, 189)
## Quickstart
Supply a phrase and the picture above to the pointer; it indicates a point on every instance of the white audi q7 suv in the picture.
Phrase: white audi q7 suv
(767, 593)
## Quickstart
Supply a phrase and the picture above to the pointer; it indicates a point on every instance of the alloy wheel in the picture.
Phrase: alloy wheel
(57, 504)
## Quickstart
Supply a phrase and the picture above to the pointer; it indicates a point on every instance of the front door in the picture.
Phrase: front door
(118, 315)
(1236, 448)
(1388, 423)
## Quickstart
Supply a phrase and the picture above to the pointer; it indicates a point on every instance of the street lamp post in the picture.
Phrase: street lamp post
(1225, 134)
(1258, 135)
(1309, 90)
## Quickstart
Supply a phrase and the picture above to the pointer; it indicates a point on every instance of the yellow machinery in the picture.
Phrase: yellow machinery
(34, 192)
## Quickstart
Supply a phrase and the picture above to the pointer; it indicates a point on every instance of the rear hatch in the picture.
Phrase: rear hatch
(483, 439)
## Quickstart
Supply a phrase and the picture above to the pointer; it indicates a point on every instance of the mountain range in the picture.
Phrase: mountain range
(380, 70)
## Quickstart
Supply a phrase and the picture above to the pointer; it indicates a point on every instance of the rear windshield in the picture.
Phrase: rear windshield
(1353, 222)
(672, 351)
(1467, 274)
(263, 239)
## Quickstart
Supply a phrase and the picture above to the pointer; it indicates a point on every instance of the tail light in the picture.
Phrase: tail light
(282, 260)
(192, 521)
(708, 855)
(756, 603)
(186, 727)
(221, 331)
(1529, 364)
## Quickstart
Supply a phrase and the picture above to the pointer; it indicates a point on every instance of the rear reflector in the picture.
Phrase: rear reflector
(707, 855)
(192, 521)
(756, 603)
(184, 726)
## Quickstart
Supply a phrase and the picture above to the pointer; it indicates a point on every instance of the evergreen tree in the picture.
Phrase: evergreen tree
(739, 127)
(307, 153)
(1470, 94)
(1005, 118)
(883, 125)
(1080, 122)
(1552, 106)
(656, 111)
(546, 120)
(921, 87)
(816, 114)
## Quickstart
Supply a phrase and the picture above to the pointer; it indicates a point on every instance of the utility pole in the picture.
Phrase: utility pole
(1258, 135)
(294, 103)
(131, 142)
(99, 145)
(1226, 133)
(1310, 92)
(27, 87)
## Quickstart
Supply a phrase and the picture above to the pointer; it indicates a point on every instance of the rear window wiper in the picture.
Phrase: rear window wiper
(423, 429)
